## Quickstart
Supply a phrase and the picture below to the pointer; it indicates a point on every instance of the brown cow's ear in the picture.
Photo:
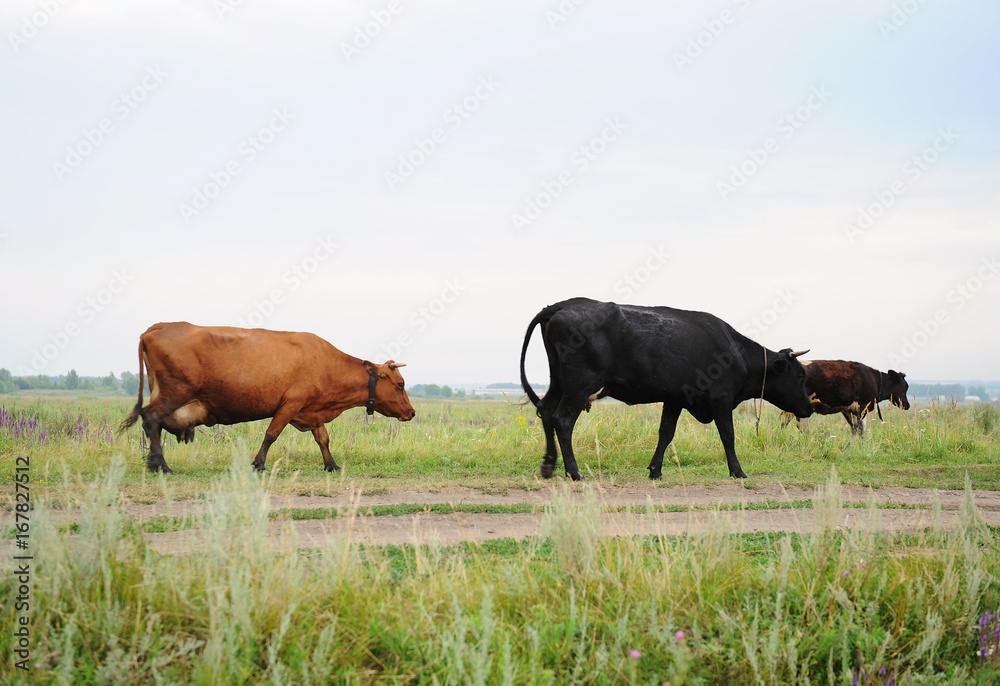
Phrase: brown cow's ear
(370, 368)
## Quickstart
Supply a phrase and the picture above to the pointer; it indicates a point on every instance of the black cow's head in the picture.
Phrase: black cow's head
(390, 390)
(785, 383)
(898, 388)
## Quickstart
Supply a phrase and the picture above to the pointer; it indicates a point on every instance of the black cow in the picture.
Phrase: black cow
(686, 360)
(853, 389)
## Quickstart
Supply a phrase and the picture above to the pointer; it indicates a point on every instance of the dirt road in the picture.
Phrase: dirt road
(451, 528)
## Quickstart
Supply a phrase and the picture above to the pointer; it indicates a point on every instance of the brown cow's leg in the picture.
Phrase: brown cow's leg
(153, 427)
(278, 423)
(323, 440)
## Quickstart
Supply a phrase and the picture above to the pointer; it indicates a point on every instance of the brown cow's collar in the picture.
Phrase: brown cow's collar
(371, 394)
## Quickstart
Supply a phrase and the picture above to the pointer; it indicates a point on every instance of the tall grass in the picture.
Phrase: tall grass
(572, 607)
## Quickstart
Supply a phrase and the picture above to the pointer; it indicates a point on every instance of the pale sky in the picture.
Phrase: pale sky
(416, 180)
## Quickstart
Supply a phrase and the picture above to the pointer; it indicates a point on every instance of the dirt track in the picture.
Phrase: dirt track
(447, 529)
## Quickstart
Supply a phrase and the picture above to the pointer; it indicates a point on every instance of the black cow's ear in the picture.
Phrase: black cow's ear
(894, 375)
(780, 365)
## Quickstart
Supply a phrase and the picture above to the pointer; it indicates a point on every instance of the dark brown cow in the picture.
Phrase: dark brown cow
(224, 375)
(853, 389)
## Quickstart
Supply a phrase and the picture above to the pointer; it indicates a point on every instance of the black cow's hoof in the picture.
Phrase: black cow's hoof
(739, 475)
(161, 468)
(548, 470)
(576, 477)
(655, 477)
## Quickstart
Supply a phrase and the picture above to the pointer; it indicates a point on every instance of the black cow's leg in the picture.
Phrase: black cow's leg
(724, 423)
(152, 425)
(545, 412)
(668, 424)
(565, 419)
(323, 440)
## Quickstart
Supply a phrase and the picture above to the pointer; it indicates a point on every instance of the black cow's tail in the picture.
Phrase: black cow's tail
(131, 419)
(542, 317)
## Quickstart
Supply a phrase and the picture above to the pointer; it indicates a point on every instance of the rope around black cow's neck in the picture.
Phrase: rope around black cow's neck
(759, 409)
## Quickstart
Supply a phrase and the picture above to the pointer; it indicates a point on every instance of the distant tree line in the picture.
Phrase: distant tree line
(127, 383)
(932, 390)
(432, 390)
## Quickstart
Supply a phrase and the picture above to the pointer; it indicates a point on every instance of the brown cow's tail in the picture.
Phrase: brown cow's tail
(134, 415)
(541, 318)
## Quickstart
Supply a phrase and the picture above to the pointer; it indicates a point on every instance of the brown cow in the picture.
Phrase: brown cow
(224, 375)
(853, 389)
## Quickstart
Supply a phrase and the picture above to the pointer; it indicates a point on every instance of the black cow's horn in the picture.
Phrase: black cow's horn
(800, 352)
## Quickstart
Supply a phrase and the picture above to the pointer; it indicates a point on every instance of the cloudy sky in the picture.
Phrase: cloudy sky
(416, 180)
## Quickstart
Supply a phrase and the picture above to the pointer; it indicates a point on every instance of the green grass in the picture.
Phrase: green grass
(496, 446)
(570, 607)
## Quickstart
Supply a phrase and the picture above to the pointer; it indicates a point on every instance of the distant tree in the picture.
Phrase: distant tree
(460, 394)
(130, 383)
(433, 390)
(446, 391)
(110, 381)
(7, 384)
(39, 381)
(72, 380)
(505, 386)
(87, 384)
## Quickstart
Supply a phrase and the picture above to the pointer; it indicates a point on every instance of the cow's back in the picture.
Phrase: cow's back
(238, 374)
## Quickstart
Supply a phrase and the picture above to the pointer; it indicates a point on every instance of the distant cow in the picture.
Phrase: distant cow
(853, 389)
(686, 360)
(223, 375)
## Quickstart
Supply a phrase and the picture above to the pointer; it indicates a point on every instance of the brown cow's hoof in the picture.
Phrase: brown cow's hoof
(333, 468)
(159, 467)
(548, 470)
(259, 468)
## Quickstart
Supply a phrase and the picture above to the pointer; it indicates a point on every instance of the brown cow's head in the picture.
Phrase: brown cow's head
(898, 388)
(390, 390)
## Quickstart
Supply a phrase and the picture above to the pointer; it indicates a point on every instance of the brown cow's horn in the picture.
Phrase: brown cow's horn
(393, 365)
(800, 352)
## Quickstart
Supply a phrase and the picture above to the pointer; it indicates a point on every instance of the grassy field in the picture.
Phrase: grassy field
(720, 607)
(499, 445)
